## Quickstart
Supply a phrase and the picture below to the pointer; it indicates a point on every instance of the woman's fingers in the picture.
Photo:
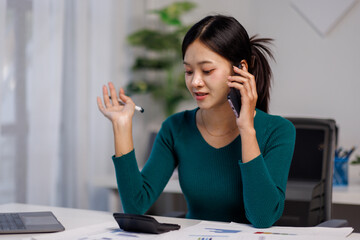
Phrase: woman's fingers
(244, 92)
(106, 97)
(114, 98)
(241, 82)
(112, 108)
(122, 95)
(100, 105)
(126, 99)
(244, 79)
(112, 102)
(244, 72)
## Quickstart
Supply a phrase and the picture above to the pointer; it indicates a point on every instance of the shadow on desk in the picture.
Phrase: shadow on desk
(169, 205)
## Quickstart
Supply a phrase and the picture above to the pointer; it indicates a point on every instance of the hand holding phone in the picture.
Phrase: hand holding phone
(234, 99)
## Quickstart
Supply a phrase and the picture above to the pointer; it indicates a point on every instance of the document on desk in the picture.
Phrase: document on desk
(204, 231)
(229, 231)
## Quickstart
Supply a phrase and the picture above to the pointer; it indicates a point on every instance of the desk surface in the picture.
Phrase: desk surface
(347, 195)
(76, 218)
(72, 218)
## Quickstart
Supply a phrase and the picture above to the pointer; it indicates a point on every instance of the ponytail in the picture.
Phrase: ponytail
(260, 68)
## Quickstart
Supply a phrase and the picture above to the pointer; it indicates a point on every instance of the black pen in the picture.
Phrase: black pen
(137, 108)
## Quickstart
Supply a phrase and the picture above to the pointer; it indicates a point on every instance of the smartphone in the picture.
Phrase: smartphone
(234, 99)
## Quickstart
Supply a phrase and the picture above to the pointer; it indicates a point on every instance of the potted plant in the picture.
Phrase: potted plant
(160, 66)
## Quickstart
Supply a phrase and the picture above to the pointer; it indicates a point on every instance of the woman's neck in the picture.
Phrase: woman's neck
(217, 121)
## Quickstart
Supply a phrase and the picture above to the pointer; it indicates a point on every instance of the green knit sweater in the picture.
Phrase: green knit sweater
(215, 182)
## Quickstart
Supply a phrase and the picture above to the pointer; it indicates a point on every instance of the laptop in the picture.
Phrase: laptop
(29, 222)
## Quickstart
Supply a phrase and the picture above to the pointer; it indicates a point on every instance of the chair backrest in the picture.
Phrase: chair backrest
(309, 189)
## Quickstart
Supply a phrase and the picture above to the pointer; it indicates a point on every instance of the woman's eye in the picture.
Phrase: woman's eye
(188, 72)
(208, 71)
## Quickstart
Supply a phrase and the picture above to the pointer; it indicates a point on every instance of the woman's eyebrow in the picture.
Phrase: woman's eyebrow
(199, 63)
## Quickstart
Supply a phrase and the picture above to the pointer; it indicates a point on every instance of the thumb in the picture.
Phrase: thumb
(124, 98)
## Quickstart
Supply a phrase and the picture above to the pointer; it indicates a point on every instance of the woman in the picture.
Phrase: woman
(230, 169)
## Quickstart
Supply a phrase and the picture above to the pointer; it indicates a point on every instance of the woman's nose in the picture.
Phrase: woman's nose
(197, 81)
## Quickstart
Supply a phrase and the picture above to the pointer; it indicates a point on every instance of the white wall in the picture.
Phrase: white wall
(314, 76)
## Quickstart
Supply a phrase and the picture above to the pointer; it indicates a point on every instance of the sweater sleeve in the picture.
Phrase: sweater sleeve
(139, 190)
(265, 177)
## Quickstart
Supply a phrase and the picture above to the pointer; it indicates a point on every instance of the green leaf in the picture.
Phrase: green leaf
(171, 14)
(141, 87)
(154, 40)
(356, 160)
(152, 63)
(182, 30)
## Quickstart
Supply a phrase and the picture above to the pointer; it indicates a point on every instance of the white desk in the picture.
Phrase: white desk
(347, 195)
(72, 218)
(76, 218)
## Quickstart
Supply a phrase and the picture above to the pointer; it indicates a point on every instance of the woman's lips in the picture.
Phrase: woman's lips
(200, 95)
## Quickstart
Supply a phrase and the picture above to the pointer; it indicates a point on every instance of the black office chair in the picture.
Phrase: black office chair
(309, 189)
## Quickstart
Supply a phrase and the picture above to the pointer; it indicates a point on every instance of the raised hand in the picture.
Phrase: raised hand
(117, 113)
(245, 83)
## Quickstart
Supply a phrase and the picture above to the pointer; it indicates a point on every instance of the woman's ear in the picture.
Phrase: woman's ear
(244, 64)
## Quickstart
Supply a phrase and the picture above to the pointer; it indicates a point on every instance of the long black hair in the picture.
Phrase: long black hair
(228, 38)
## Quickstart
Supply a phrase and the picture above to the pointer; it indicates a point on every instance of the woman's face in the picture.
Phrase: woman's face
(206, 75)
